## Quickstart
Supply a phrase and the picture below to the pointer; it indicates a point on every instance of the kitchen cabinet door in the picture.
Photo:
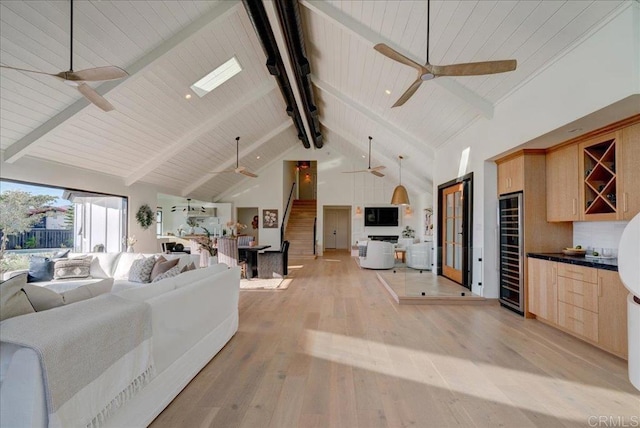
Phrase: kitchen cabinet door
(542, 292)
(629, 172)
(511, 175)
(612, 313)
(563, 184)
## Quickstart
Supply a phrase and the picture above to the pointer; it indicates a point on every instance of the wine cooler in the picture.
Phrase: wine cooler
(511, 257)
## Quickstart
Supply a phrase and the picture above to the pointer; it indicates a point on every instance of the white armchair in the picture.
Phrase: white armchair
(380, 255)
(419, 256)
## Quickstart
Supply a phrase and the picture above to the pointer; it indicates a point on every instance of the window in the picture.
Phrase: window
(84, 221)
(159, 222)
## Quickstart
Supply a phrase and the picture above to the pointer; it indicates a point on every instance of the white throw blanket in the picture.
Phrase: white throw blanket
(95, 359)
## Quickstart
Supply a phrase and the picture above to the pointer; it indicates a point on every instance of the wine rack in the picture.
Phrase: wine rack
(600, 189)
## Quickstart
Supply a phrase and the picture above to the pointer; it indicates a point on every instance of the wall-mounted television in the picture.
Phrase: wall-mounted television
(380, 216)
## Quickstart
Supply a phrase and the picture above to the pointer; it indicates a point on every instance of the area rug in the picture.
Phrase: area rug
(265, 284)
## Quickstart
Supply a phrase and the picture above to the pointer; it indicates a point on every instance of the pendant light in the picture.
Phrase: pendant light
(400, 196)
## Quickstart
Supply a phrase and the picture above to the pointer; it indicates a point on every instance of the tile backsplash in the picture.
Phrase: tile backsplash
(598, 234)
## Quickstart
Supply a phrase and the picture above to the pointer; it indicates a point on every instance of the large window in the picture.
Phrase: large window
(82, 220)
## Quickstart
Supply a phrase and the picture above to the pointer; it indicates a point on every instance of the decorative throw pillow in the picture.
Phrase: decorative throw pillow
(62, 254)
(141, 269)
(41, 298)
(40, 269)
(72, 268)
(13, 301)
(161, 266)
(187, 268)
(174, 271)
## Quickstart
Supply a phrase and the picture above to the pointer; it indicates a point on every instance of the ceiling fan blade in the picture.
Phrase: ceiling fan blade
(475, 68)
(408, 93)
(376, 173)
(355, 172)
(28, 71)
(94, 97)
(248, 173)
(378, 168)
(396, 56)
(96, 74)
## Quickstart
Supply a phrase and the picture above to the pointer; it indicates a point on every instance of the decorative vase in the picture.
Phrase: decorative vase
(130, 249)
(213, 260)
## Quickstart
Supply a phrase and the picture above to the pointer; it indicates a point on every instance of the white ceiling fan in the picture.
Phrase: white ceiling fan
(429, 71)
(375, 170)
(238, 169)
(77, 79)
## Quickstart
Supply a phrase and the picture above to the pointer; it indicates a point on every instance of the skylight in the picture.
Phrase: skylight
(217, 77)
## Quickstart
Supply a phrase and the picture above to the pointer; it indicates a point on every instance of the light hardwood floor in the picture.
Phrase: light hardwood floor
(334, 350)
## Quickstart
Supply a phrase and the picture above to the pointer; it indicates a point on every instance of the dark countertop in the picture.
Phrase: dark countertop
(607, 264)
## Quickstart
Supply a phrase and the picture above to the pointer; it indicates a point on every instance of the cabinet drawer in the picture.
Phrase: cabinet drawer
(580, 273)
(579, 321)
(578, 293)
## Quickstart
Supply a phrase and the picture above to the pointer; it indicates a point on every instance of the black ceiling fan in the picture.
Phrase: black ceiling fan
(429, 71)
(78, 78)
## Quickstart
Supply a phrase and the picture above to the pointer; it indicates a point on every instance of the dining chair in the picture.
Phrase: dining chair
(228, 254)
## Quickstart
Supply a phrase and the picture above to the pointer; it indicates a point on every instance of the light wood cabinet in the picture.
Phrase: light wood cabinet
(629, 166)
(563, 186)
(511, 175)
(612, 313)
(543, 292)
(586, 302)
(578, 320)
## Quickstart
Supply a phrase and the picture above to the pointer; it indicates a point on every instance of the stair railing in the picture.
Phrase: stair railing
(286, 211)
(315, 221)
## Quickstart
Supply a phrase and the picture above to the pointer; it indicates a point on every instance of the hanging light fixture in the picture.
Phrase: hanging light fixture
(400, 196)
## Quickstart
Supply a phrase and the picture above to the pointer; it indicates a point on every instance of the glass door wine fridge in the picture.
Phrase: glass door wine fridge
(511, 252)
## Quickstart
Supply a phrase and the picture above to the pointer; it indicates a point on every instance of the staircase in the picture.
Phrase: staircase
(299, 230)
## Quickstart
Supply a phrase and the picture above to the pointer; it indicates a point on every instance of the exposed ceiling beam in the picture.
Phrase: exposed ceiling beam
(324, 9)
(231, 162)
(409, 179)
(23, 146)
(286, 59)
(424, 149)
(205, 127)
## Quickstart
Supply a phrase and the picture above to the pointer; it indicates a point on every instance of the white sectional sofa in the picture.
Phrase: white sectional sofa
(193, 315)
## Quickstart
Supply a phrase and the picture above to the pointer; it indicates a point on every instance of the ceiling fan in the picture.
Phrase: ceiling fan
(375, 170)
(186, 209)
(430, 71)
(78, 78)
(238, 169)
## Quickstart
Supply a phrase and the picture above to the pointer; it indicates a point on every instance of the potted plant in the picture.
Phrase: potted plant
(207, 244)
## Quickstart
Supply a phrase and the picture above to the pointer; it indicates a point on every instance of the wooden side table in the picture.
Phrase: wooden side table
(401, 254)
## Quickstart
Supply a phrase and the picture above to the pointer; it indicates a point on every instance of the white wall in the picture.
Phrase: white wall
(565, 91)
(49, 173)
(601, 234)
(334, 188)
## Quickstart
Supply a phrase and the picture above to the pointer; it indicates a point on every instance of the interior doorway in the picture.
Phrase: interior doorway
(307, 179)
(336, 227)
(455, 240)
(249, 217)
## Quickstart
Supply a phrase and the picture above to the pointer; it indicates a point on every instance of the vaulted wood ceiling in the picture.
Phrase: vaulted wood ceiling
(157, 136)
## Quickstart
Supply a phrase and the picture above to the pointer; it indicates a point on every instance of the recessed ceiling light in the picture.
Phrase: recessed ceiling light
(217, 77)
(364, 156)
(257, 157)
(388, 92)
(188, 96)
